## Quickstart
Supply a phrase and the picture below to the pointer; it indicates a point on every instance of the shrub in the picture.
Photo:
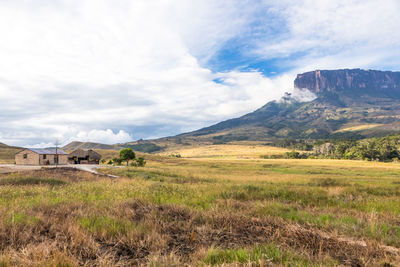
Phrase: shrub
(117, 161)
(295, 155)
(140, 162)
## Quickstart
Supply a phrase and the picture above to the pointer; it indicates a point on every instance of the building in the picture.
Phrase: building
(38, 156)
(81, 156)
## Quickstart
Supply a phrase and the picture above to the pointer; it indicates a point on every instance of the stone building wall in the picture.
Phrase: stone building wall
(27, 157)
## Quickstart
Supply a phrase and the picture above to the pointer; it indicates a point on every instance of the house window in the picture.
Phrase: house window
(44, 156)
(25, 156)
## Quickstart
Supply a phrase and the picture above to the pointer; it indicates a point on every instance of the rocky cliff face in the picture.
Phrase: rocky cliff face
(350, 80)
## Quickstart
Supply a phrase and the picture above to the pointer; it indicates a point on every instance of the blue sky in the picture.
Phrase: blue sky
(115, 71)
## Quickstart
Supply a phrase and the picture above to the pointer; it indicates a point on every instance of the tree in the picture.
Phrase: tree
(127, 154)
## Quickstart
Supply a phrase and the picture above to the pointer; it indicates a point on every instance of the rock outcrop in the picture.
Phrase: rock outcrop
(350, 80)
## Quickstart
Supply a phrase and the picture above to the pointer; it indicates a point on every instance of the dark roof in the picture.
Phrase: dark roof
(82, 153)
(48, 151)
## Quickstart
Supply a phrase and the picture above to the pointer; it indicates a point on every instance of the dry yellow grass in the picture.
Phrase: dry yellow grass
(226, 151)
(244, 170)
(358, 128)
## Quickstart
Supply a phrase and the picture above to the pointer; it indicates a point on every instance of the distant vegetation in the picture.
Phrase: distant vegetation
(378, 148)
(381, 149)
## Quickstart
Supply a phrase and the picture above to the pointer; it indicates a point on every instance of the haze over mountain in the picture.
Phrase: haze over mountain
(349, 103)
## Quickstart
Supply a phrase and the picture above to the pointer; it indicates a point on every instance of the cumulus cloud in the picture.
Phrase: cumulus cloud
(120, 65)
(334, 34)
(99, 136)
(102, 136)
(113, 71)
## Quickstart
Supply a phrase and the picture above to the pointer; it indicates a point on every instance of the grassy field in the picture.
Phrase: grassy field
(240, 150)
(204, 211)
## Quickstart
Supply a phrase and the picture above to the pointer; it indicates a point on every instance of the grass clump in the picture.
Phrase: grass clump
(329, 182)
(19, 181)
(285, 193)
(268, 253)
(109, 227)
(18, 218)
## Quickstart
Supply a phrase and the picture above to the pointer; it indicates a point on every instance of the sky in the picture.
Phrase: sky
(114, 71)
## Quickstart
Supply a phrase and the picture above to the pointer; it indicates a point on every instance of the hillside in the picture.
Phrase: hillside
(349, 103)
(142, 146)
(88, 145)
(7, 153)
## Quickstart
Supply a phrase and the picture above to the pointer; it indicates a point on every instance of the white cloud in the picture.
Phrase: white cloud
(102, 136)
(335, 34)
(74, 134)
(109, 71)
(86, 65)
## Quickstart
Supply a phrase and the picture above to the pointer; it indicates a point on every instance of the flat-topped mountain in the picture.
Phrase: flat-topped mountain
(383, 83)
(349, 103)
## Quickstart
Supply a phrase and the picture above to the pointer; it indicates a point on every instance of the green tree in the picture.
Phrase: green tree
(127, 154)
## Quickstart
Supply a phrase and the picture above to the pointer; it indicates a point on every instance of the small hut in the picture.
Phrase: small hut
(81, 156)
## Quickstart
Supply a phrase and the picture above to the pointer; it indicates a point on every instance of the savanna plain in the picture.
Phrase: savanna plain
(224, 208)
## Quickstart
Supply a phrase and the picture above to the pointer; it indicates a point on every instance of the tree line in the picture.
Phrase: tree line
(378, 148)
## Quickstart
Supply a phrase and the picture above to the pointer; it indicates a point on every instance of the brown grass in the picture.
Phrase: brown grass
(174, 211)
(161, 231)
